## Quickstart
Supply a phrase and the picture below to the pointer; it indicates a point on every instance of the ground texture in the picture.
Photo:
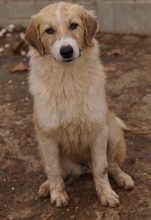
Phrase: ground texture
(127, 60)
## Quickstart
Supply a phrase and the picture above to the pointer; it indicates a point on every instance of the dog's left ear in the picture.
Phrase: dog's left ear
(91, 25)
(32, 36)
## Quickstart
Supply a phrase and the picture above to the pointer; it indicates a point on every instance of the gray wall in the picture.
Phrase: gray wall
(115, 16)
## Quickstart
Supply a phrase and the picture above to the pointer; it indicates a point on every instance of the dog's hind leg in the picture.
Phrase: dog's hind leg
(116, 154)
(74, 169)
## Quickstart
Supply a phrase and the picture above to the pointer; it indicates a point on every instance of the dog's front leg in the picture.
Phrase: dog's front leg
(55, 184)
(100, 170)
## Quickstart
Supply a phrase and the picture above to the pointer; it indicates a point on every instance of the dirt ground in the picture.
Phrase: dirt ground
(128, 66)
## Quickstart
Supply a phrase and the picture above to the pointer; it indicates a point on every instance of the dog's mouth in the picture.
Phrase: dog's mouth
(68, 61)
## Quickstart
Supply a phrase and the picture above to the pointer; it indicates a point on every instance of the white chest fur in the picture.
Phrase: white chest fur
(68, 97)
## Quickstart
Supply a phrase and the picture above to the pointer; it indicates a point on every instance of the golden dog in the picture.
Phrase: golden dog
(77, 134)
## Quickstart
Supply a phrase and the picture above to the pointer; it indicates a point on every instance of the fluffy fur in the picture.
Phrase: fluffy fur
(76, 131)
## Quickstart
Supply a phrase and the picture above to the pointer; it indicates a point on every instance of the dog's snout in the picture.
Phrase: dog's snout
(66, 51)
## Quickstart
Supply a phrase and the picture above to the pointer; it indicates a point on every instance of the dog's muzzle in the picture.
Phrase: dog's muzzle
(65, 49)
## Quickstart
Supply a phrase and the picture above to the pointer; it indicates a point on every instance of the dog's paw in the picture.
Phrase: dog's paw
(109, 198)
(125, 181)
(60, 199)
(44, 189)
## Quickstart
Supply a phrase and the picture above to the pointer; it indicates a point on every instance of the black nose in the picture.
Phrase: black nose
(66, 51)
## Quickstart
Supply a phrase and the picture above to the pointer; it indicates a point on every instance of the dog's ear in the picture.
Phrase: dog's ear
(32, 36)
(91, 25)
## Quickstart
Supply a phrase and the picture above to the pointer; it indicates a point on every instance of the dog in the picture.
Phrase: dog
(77, 133)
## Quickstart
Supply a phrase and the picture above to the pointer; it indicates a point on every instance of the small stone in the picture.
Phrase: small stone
(22, 35)
(2, 32)
(12, 188)
(10, 81)
(1, 49)
(23, 53)
(7, 45)
(10, 217)
(11, 27)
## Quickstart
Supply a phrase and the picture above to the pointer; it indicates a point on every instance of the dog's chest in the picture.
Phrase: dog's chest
(73, 101)
(69, 98)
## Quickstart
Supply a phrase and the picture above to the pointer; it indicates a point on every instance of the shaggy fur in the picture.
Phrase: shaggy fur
(76, 131)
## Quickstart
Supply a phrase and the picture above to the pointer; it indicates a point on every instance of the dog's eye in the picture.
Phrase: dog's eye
(49, 31)
(73, 26)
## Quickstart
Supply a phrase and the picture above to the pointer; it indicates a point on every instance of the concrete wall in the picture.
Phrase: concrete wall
(115, 16)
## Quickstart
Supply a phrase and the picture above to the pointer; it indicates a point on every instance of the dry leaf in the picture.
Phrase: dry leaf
(19, 67)
(113, 52)
(117, 52)
(110, 69)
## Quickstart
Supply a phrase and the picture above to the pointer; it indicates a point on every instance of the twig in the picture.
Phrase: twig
(47, 217)
(142, 132)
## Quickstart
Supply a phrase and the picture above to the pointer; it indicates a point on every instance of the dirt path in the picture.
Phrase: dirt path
(129, 95)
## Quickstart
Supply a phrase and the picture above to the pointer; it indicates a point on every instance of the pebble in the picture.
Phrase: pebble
(22, 35)
(1, 49)
(23, 82)
(5, 206)
(11, 27)
(7, 45)
(12, 188)
(2, 32)
(10, 81)
(23, 53)
(10, 217)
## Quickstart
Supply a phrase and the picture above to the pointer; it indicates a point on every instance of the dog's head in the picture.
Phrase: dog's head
(62, 30)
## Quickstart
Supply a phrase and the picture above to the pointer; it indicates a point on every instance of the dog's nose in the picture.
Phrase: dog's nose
(66, 51)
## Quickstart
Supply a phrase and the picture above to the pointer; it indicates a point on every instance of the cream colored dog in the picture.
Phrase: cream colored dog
(77, 133)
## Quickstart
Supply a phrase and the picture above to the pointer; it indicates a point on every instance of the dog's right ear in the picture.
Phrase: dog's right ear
(32, 37)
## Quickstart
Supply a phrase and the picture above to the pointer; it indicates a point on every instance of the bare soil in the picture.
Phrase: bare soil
(128, 90)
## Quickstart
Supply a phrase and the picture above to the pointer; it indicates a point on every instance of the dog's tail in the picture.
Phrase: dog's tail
(121, 150)
(122, 124)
